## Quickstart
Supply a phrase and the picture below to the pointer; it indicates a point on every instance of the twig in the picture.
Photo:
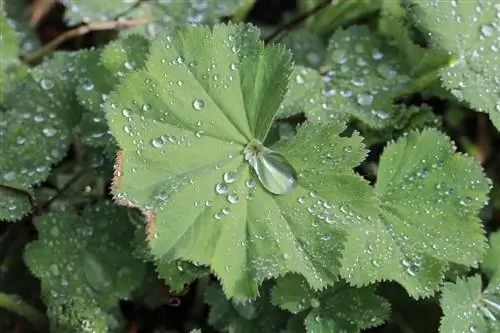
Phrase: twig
(299, 19)
(23, 309)
(66, 186)
(80, 31)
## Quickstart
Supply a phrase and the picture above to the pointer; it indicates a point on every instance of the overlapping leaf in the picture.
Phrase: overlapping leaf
(430, 197)
(307, 48)
(183, 125)
(88, 256)
(466, 309)
(17, 12)
(118, 60)
(35, 131)
(365, 75)
(491, 262)
(258, 316)
(10, 50)
(470, 30)
(337, 309)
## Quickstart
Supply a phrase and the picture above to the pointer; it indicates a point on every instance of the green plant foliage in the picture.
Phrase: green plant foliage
(75, 315)
(469, 30)
(364, 76)
(258, 316)
(10, 50)
(19, 17)
(307, 48)
(116, 62)
(466, 308)
(177, 274)
(336, 309)
(428, 216)
(89, 257)
(491, 262)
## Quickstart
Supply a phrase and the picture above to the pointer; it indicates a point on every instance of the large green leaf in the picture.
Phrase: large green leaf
(87, 256)
(429, 198)
(184, 124)
(469, 30)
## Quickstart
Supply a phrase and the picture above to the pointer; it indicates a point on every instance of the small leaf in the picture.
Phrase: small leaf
(430, 198)
(337, 309)
(179, 273)
(86, 256)
(491, 262)
(466, 309)
(258, 316)
(469, 30)
(209, 94)
(365, 75)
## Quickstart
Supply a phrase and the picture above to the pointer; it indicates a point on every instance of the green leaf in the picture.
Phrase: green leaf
(491, 262)
(19, 14)
(94, 11)
(257, 316)
(469, 30)
(307, 48)
(10, 50)
(466, 309)
(429, 198)
(208, 95)
(364, 76)
(179, 273)
(337, 309)
(307, 93)
(75, 315)
(116, 62)
(87, 256)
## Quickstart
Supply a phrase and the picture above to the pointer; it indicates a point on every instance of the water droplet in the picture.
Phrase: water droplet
(339, 56)
(47, 84)
(487, 30)
(198, 104)
(229, 177)
(302, 200)
(9, 176)
(299, 79)
(387, 71)
(221, 188)
(235, 49)
(49, 132)
(87, 84)
(126, 113)
(377, 55)
(364, 99)
(233, 198)
(467, 201)
(250, 183)
(234, 66)
(158, 142)
(275, 173)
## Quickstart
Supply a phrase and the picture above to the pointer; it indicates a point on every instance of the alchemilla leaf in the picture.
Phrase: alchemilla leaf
(190, 127)
(336, 309)
(364, 74)
(467, 309)
(470, 31)
(88, 256)
(430, 197)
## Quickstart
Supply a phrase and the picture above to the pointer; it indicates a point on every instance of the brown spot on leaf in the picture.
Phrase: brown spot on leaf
(117, 172)
(150, 223)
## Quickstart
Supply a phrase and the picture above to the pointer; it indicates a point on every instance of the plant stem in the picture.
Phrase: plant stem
(243, 11)
(292, 24)
(420, 83)
(23, 309)
(34, 57)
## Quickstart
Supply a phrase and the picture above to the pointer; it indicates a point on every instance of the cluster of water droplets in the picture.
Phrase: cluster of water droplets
(363, 70)
(232, 196)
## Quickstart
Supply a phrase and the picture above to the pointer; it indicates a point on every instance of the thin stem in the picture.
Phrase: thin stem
(23, 309)
(298, 20)
(66, 186)
(243, 11)
(80, 31)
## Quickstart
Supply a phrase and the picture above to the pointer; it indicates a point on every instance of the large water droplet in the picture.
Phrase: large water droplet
(364, 99)
(487, 30)
(273, 170)
(198, 104)
(47, 84)
(229, 177)
(221, 188)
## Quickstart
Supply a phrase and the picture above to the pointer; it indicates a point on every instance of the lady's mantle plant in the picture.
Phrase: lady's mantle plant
(186, 125)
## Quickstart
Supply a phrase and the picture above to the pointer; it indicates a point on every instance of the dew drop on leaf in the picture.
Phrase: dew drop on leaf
(273, 170)
(198, 104)
(487, 30)
(221, 188)
(47, 84)
(229, 177)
